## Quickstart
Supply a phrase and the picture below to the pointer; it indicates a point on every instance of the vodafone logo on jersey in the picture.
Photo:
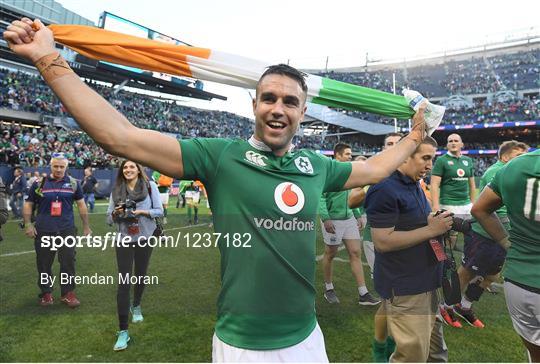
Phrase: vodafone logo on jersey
(289, 198)
(460, 172)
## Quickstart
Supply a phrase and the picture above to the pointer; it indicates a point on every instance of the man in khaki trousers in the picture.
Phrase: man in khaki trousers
(408, 261)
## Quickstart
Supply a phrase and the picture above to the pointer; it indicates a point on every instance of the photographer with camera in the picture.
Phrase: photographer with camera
(134, 206)
(408, 257)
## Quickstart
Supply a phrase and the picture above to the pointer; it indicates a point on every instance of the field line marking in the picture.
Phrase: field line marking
(17, 253)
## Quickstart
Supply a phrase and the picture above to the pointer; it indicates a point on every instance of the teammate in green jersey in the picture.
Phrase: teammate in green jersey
(340, 225)
(266, 306)
(517, 186)
(164, 184)
(182, 186)
(482, 258)
(452, 180)
(453, 189)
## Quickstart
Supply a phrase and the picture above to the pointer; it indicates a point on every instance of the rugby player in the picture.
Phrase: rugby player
(266, 307)
(517, 186)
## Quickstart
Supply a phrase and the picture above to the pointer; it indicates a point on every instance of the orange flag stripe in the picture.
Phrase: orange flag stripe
(114, 47)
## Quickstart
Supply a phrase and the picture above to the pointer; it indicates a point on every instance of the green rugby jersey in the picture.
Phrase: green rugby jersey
(518, 184)
(454, 172)
(155, 178)
(486, 178)
(335, 206)
(267, 297)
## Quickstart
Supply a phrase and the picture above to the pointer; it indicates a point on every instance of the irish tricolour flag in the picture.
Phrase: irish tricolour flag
(210, 65)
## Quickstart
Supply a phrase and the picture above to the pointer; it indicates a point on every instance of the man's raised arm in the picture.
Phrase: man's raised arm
(383, 164)
(105, 125)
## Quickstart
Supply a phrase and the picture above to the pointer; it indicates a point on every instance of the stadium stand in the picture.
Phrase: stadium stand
(514, 71)
(31, 146)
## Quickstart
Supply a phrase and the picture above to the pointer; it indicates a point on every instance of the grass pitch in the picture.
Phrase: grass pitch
(180, 311)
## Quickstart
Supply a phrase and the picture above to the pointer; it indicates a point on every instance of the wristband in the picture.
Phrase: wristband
(53, 66)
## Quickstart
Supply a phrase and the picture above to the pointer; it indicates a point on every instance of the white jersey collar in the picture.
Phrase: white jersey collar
(453, 155)
(259, 145)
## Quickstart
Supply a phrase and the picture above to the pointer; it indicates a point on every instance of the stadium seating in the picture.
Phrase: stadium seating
(32, 147)
(513, 71)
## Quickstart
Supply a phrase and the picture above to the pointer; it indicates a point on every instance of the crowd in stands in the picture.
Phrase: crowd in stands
(475, 75)
(32, 147)
(492, 112)
(25, 92)
(480, 112)
(27, 146)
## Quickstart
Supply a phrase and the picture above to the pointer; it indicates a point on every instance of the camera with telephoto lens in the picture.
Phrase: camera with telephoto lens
(450, 281)
(128, 206)
(458, 224)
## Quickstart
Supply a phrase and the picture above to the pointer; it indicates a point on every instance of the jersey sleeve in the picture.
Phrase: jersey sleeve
(438, 168)
(381, 208)
(483, 181)
(337, 174)
(495, 183)
(200, 157)
(323, 208)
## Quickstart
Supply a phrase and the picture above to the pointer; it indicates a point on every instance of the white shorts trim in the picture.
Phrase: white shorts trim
(193, 195)
(311, 349)
(345, 229)
(463, 211)
(524, 309)
(164, 198)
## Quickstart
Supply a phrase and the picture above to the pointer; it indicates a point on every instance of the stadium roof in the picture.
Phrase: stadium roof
(49, 11)
(330, 116)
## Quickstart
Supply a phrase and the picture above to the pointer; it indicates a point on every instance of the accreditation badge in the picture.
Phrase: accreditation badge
(56, 208)
(438, 250)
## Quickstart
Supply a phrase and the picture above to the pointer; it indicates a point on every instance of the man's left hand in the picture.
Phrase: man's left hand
(87, 231)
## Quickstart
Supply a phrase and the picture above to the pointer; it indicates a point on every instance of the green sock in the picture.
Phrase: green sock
(390, 347)
(189, 212)
(379, 351)
(164, 212)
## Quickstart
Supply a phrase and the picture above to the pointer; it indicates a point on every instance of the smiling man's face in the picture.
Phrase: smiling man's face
(279, 108)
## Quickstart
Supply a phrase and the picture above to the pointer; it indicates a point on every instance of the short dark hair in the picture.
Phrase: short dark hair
(427, 140)
(286, 70)
(340, 148)
(510, 145)
(400, 135)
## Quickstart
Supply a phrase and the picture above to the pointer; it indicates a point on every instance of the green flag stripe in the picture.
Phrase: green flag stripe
(352, 97)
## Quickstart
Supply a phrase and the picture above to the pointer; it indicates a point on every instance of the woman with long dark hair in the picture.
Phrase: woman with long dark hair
(133, 206)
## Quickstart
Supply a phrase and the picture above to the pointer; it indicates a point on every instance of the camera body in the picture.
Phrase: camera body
(128, 207)
(450, 281)
(458, 224)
